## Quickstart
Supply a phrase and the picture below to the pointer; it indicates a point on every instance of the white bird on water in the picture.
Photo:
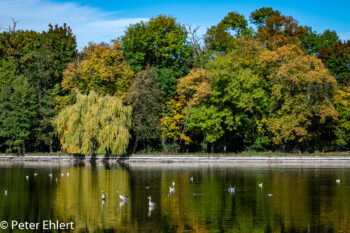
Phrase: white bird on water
(150, 203)
(337, 181)
(191, 179)
(260, 185)
(62, 174)
(50, 175)
(103, 195)
(172, 189)
(67, 173)
(35, 174)
(5, 192)
(231, 189)
(27, 177)
(124, 198)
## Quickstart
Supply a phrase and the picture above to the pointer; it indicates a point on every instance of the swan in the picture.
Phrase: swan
(124, 198)
(260, 185)
(337, 181)
(150, 203)
(172, 189)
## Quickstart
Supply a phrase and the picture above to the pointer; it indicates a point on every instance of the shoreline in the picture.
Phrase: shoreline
(182, 158)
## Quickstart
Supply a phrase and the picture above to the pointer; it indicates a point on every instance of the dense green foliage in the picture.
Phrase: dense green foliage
(31, 70)
(161, 43)
(263, 84)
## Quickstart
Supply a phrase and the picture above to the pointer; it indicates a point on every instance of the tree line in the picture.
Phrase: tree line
(263, 83)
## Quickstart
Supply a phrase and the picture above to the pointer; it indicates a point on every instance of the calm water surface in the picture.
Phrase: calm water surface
(306, 199)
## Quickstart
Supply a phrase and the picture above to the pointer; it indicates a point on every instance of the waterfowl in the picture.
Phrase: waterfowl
(35, 174)
(27, 177)
(56, 179)
(231, 189)
(270, 195)
(50, 175)
(124, 198)
(103, 203)
(62, 174)
(261, 185)
(103, 196)
(191, 179)
(172, 189)
(150, 209)
(5, 192)
(67, 173)
(337, 181)
(150, 203)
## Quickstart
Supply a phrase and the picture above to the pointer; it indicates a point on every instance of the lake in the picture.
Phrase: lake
(291, 199)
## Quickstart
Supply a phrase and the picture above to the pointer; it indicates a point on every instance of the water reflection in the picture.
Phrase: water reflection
(217, 198)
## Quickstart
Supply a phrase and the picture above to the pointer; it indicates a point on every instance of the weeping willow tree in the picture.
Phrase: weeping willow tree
(95, 125)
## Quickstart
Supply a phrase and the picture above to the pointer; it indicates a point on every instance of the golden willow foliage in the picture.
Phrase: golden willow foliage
(192, 90)
(95, 125)
(301, 93)
(102, 69)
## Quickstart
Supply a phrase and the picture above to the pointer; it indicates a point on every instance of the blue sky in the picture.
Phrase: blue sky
(99, 20)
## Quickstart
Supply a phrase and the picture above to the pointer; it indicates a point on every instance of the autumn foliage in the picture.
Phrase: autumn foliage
(270, 84)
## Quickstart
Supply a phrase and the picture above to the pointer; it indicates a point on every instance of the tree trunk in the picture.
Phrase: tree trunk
(135, 146)
(24, 147)
(212, 148)
(51, 149)
(225, 143)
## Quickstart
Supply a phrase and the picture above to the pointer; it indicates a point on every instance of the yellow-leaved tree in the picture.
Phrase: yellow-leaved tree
(302, 90)
(191, 90)
(95, 125)
(100, 68)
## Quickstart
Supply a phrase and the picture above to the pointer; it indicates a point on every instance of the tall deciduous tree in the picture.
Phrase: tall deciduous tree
(337, 60)
(193, 89)
(301, 95)
(102, 69)
(146, 99)
(95, 125)
(222, 37)
(280, 30)
(314, 42)
(161, 43)
(259, 17)
(18, 110)
(239, 95)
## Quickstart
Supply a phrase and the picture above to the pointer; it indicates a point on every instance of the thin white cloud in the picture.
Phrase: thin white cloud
(87, 23)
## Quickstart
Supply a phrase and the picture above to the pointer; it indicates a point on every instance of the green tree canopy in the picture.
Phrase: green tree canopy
(146, 99)
(337, 60)
(160, 43)
(259, 17)
(18, 110)
(222, 37)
